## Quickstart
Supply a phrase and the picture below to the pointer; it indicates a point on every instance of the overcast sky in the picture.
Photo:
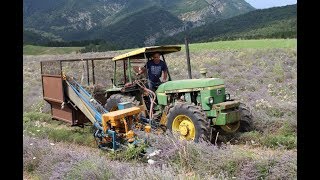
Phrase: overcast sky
(261, 4)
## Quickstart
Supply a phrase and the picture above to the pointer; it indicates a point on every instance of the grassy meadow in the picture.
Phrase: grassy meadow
(194, 47)
(260, 73)
(244, 44)
(40, 50)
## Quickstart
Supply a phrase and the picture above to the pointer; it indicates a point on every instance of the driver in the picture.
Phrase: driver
(156, 68)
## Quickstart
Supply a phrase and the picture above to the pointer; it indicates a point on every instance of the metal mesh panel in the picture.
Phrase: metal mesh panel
(51, 67)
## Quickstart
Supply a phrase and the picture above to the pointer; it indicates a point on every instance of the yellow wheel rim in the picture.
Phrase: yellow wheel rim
(231, 128)
(184, 126)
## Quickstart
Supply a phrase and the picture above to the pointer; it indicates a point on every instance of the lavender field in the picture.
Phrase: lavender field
(264, 79)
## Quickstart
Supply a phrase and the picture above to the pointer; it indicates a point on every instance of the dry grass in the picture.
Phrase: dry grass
(46, 159)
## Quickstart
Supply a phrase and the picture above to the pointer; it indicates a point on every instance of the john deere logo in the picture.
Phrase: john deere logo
(218, 91)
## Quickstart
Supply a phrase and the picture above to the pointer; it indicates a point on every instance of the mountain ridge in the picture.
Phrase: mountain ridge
(276, 22)
(77, 20)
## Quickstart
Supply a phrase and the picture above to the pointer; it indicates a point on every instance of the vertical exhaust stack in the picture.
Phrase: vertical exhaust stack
(203, 72)
(188, 57)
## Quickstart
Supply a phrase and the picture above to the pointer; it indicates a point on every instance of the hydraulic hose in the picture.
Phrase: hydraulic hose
(151, 95)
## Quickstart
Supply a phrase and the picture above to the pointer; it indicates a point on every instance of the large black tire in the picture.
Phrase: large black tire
(246, 120)
(113, 100)
(196, 114)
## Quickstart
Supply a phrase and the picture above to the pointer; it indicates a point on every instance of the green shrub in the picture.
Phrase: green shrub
(68, 135)
(248, 136)
(132, 152)
(264, 167)
(36, 116)
(288, 142)
(284, 138)
(89, 169)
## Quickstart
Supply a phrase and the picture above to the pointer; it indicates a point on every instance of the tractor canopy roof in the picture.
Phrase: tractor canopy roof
(145, 52)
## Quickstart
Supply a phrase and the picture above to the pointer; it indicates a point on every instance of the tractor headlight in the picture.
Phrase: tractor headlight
(227, 97)
(210, 100)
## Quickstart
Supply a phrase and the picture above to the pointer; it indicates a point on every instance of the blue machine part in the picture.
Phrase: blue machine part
(90, 96)
(124, 105)
(97, 125)
(114, 139)
(97, 115)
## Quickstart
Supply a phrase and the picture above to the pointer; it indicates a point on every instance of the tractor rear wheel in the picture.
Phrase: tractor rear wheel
(189, 121)
(114, 99)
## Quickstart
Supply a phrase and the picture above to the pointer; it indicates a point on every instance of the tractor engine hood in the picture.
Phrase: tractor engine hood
(189, 84)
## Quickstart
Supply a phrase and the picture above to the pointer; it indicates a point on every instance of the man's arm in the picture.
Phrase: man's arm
(143, 69)
(165, 73)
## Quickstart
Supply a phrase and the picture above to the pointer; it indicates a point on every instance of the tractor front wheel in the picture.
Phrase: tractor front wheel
(246, 121)
(189, 121)
(231, 128)
(244, 125)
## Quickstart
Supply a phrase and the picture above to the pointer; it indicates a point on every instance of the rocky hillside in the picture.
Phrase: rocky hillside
(276, 22)
(115, 19)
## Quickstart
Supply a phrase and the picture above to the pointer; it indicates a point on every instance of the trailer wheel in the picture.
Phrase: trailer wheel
(115, 99)
(189, 121)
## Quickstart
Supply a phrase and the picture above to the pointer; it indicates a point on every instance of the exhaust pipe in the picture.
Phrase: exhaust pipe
(188, 56)
(203, 72)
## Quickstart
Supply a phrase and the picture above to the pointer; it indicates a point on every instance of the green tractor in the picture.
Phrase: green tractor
(194, 108)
